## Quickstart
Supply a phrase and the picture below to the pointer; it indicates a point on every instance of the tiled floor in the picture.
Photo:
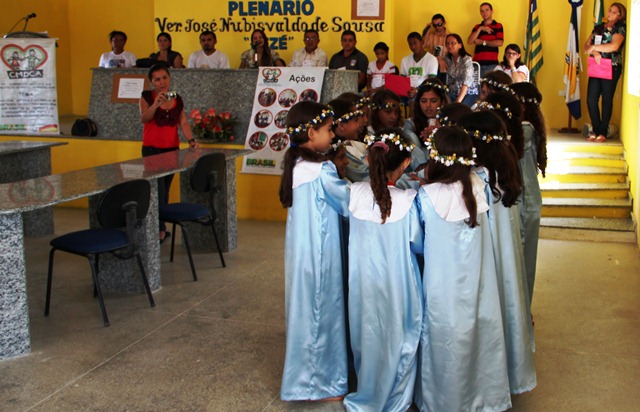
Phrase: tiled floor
(218, 344)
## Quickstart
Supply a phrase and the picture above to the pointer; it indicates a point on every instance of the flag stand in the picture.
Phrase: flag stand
(569, 129)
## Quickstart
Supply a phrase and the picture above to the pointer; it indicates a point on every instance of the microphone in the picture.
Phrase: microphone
(30, 16)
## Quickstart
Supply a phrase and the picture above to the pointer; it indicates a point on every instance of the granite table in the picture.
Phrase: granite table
(21, 160)
(92, 182)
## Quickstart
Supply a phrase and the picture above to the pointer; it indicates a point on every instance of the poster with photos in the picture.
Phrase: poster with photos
(277, 90)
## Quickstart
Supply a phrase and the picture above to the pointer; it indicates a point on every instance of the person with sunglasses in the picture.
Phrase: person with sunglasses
(435, 35)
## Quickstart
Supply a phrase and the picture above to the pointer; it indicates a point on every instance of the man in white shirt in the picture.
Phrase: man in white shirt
(419, 65)
(208, 57)
(117, 57)
(310, 55)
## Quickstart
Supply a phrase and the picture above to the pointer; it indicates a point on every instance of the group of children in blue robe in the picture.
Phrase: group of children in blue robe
(431, 293)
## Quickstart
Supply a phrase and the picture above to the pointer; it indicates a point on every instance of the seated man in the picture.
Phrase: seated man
(419, 65)
(117, 57)
(208, 57)
(310, 55)
(350, 58)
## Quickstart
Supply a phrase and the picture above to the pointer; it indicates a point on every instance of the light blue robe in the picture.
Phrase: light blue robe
(530, 206)
(420, 154)
(385, 299)
(504, 223)
(315, 364)
(463, 362)
(358, 169)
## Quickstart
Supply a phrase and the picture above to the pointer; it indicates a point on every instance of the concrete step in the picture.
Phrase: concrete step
(613, 147)
(589, 229)
(586, 207)
(566, 159)
(585, 190)
(585, 174)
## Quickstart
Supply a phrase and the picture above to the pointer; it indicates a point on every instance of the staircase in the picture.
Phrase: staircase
(585, 195)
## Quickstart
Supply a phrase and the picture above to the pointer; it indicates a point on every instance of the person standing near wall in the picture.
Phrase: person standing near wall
(487, 37)
(606, 41)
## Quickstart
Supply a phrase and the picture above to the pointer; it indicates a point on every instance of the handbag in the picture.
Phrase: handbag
(604, 70)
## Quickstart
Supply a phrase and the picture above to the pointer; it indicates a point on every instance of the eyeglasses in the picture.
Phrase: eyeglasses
(511, 53)
(438, 24)
(310, 38)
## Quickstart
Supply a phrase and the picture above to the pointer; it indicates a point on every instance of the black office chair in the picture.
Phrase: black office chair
(204, 178)
(123, 206)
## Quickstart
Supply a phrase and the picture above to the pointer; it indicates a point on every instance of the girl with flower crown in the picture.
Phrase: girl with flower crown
(315, 366)
(385, 292)
(534, 160)
(506, 105)
(347, 125)
(463, 364)
(431, 95)
(385, 111)
(498, 166)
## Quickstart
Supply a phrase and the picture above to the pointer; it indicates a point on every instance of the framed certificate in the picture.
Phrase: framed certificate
(367, 9)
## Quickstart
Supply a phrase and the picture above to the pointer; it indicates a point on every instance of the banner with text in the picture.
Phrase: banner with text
(277, 90)
(28, 94)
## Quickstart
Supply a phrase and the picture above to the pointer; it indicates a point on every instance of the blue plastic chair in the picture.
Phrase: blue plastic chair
(120, 213)
(205, 176)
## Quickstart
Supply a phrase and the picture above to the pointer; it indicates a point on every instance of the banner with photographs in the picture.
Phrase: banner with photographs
(277, 90)
(28, 94)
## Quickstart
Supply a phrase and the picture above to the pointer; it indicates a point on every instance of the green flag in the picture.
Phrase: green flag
(533, 42)
(598, 12)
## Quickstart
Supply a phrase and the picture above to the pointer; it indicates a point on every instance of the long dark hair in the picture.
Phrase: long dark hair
(450, 114)
(385, 156)
(531, 98)
(267, 58)
(463, 52)
(516, 49)
(452, 140)
(378, 100)
(508, 101)
(299, 115)
(498, 156)
(420, 120)
(168, 37)
(340, 107)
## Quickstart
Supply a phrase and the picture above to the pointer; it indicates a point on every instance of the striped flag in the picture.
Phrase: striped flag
(572, 64)
(598, 12)
(533, 43)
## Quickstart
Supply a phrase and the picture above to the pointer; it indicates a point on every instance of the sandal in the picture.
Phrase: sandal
(600, 139)
(167, 235)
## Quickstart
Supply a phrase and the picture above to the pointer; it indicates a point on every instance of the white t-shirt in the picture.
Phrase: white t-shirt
(522, 69)
(217, 60)
(110, 60)
(418, 71)
(377, 79)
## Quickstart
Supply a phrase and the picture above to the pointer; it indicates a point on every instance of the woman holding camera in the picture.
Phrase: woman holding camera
(161, 113)
(606, 41)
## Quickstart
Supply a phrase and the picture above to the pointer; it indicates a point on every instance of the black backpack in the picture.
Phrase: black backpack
(84, 127)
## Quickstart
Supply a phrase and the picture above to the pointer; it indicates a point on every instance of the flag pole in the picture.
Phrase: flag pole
(569, 129)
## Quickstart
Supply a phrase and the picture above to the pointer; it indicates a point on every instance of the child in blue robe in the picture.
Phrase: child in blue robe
(463, 364)
(499, 169)
(534, 160)
(315, 365)
(385, 292)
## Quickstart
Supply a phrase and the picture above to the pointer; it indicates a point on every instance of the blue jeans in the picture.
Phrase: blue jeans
(164, 183)
(605, 88)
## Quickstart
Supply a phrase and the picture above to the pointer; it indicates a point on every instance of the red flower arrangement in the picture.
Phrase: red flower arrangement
(217, 127)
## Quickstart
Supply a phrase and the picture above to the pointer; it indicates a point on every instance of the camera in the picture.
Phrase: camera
(438, 51)
(171, 95)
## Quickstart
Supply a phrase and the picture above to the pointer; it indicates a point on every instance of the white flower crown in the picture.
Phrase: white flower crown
(448, 160)
(489, 106)
(528, 100)
(334, 147)
(313, 122)
(434, 85)
(395, 138)
(348, 116)
(365, 101)
(497, 85)
(488, 138)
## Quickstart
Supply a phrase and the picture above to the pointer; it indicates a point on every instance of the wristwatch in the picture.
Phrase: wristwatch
(484, 42)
